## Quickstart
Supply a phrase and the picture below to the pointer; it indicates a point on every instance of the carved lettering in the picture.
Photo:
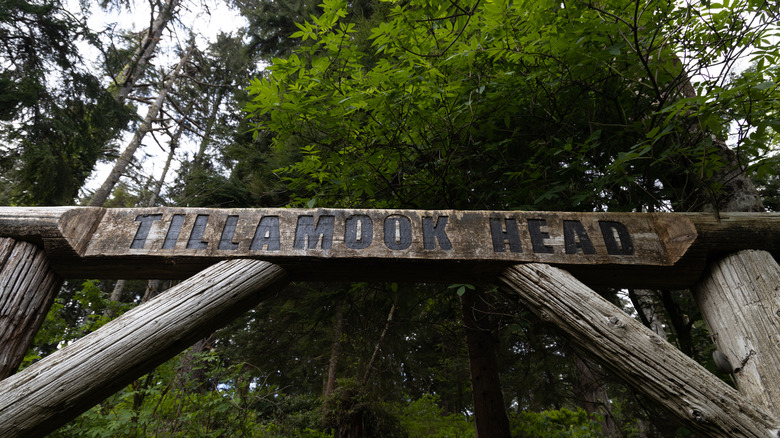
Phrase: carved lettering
(173, 232)
(398, 232)
(198, 230)
(575, 237)
(501, 238)
(358, 232)
(229, 230)
(306, 231)
(145, 225)
(267, 234)
(617, 238)
(547, 237)
(433, 232)
(538, 236)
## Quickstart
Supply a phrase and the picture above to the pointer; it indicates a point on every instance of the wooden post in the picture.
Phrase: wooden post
(27, 289)
(55, 390)
(633, 352)
(738, 298)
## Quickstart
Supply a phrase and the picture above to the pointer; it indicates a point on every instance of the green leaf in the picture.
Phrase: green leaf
(764, 85)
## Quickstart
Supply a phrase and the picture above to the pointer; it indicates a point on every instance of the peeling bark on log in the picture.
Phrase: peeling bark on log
(633, 352)
(27, 289)
(739, 301)
(58, 388)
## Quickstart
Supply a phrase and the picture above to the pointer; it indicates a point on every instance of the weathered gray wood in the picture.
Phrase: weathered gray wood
(665, 251)
(423, 245)
(738, 298)
(637, 355)
(64, 232)
(49, 393)
(27, 289)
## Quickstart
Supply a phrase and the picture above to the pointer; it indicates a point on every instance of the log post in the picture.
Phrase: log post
(58, 388)
(634, 353)
(27, 289)
(739, 301)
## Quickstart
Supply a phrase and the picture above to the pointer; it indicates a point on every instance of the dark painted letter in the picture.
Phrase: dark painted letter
(143, 229)
(575, 237)
(432, 232)
(625, 246)
(173, 232)
(198, 230)
(500, 237)
(358, 231)
(538, 236)
(398, 232)
(266, 234)
(307, 231)
(226, 241)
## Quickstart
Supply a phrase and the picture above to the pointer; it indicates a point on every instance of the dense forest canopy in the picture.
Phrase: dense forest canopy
(463, 104)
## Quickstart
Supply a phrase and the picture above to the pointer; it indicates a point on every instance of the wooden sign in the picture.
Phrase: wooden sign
(614, 249)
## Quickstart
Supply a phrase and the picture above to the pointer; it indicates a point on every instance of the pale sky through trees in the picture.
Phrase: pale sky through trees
(205, 20)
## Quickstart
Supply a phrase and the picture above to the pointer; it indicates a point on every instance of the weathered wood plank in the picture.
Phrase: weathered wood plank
(739, 301)
(49, 393)
(633, 352)
(602, 249)
(27, 289)
(63, 231)
(418, 245)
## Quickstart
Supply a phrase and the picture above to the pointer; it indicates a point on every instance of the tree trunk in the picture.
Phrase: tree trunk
(644, 302)
(681, 323)
(378, 346)
(192, 369)
(206, 139)
(58, 388)
(27, 289)
(738, 297)
(127, 78)
(593, 393)
(102, 193)
(634, 353)
(335, 354)
(489, 411)
(154, 195)
(739, 302)
(115, 297)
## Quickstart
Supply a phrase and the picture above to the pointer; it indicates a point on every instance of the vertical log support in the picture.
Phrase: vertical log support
(633, 352)
(58, 388)
(27, 289)
(739, 301)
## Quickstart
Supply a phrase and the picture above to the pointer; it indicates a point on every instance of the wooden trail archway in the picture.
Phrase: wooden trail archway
(548, 259)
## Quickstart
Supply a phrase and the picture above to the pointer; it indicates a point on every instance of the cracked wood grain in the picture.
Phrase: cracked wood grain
(633, 352)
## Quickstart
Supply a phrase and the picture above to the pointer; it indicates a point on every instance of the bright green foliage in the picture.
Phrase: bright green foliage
(425, 418)
(457, 104)
(166, 404)
(561, 423)
(79, 309)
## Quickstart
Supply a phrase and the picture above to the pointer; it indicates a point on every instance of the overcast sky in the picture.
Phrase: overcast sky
(207, 19)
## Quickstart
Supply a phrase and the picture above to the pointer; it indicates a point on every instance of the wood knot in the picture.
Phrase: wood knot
(698, 416)
(656, 340)
(545, 316)
(617, 322)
